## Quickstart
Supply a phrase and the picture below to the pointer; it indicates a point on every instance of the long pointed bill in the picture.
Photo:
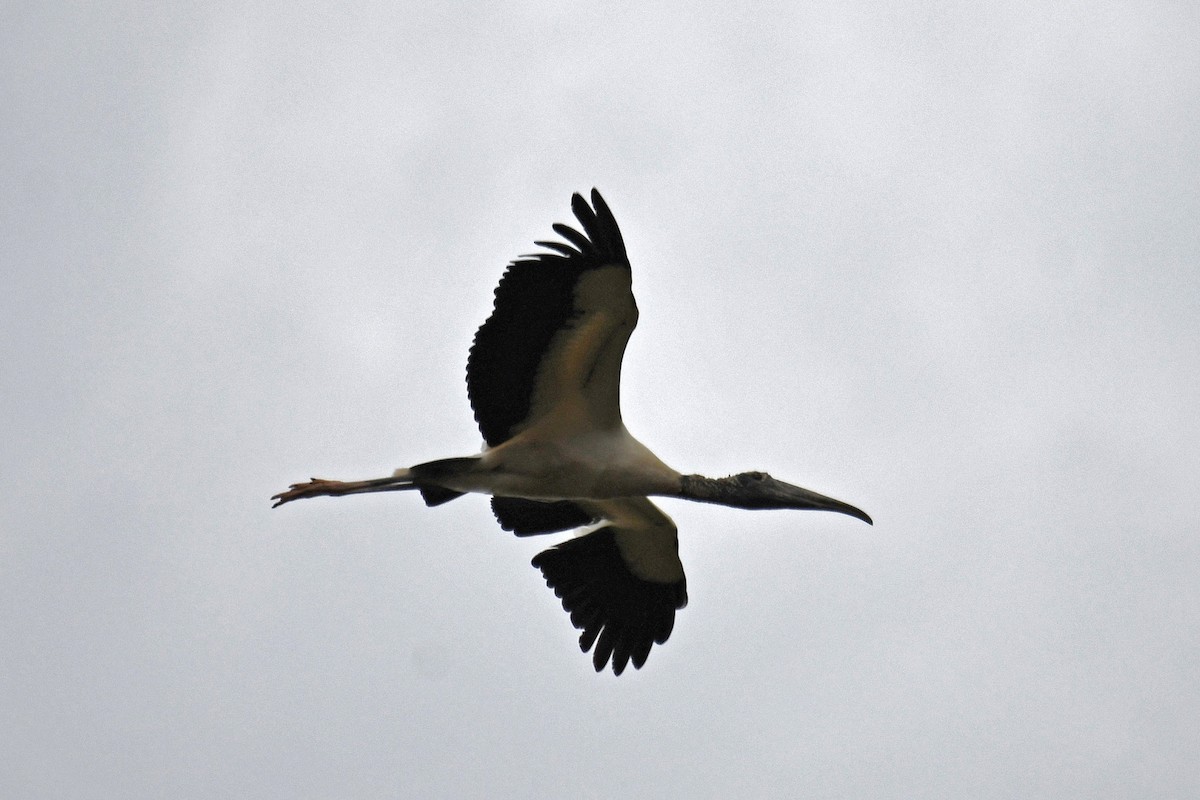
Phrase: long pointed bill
(789, 496)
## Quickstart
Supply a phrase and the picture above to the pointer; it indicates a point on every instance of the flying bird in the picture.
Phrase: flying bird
(543, 377)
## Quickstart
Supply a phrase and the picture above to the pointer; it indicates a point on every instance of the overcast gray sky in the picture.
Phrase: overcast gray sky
(937, 260)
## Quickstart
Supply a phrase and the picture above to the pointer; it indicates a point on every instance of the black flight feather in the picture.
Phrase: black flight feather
(620, 614)
(530, 517)
(535, 300)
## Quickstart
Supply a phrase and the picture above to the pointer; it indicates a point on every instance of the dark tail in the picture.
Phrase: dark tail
(428, 478)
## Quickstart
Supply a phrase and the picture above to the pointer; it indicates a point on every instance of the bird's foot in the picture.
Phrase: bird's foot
(315, 487)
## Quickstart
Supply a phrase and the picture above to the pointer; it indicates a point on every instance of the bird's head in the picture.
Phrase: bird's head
(759, 490)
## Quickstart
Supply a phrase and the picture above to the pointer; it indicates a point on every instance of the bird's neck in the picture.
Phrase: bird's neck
(722, 491)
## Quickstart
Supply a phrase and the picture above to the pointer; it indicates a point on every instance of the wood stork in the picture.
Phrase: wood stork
(543, 377)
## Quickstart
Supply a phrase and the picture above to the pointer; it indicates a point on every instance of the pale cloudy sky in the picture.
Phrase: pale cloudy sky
(940, 261)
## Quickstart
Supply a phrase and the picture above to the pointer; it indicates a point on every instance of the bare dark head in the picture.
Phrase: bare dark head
(758, 490)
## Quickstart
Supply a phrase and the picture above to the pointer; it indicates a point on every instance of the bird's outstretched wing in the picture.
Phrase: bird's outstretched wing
(621, 583)
(557, 332)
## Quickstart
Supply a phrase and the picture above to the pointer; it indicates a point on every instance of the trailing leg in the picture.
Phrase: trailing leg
(320, 487)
